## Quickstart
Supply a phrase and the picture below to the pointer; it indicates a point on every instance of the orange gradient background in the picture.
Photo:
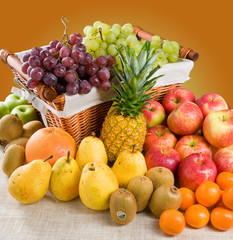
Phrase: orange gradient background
(205, 26)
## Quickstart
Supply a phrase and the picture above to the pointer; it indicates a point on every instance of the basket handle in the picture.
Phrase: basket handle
(184, 52)
(46, 92)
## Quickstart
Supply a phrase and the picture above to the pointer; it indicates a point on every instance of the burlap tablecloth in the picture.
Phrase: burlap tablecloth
(51, 219)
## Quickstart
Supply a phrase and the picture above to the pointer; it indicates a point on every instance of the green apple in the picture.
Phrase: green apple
(14, 100)
(25, 112)
(3, 110)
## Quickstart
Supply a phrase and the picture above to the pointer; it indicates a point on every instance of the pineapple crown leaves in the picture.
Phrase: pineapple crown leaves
(135, 80)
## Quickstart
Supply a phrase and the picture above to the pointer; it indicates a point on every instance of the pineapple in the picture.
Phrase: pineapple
(125, 125)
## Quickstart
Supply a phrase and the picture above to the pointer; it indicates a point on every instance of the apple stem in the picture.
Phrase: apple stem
(51, 156)
(68, 156)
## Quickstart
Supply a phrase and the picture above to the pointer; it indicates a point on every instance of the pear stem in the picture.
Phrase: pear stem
(68, 156)
(93, 134)
(51, 156)
(133, 149)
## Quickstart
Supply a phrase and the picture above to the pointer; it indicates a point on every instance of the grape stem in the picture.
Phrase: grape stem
(66, 28)
(100, 31)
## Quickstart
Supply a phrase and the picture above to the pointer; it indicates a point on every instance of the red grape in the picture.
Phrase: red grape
(81, 70)
(24, 67)
(78, 56)
(53, 43)
(31, 83)
(74, 66)
(111, 60)
(67, 62)
(91, 69)
(87, 59)
(44, 53)
(26, 57)
(60, 88)
(35, 61)
(101, 61)
(104, 74)
(50, 79)
(75, 38)
(65, 52)
(54, 52)
(72, 88)
(37, 74)
(80, 47)
(94, 80)
(84, 87)
(105, 85)
(59, 70)
(59, 45)
(50, 62)
(36, 51)
(29, 70)
(70, 76)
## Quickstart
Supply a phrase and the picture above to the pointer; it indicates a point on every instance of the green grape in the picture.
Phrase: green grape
(98, 40)
(127, 28)
(131, 39)
(96, 24)
(110, 37)
(173, 57)
(104, 45)
(112, 49)
(136, 46)
(158, 62)
(156, 44)
(105, 27)
(123, 35)
(118, 62)
(91, 44)
(90, 31)
(155, 38)
(162, 54)
(100, 51)
(121, 42)
(116, 28)
(175, 46)
(167, 46)
(86, 29)
(143, 41)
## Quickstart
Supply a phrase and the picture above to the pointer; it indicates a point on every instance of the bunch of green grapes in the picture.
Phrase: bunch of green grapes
(103, 39)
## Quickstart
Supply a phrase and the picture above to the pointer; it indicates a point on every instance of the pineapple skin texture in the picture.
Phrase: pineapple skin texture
(121, 132)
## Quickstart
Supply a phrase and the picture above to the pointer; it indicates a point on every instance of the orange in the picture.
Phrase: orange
(50, 141)
(220, 202)
(188, 198)
(172, 222)
(225, 180)
(227, 198)
(222, 218)
(197, 216)
(208, 193)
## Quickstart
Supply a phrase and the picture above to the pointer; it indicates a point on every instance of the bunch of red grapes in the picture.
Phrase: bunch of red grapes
(66, 66)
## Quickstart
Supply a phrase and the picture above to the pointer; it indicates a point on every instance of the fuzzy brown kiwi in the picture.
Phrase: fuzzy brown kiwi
(31, 127)
(13, 158)
(160, 176)
(165, 197)
(142, 188)
(11, 127)
(123, 207)
(20, 141)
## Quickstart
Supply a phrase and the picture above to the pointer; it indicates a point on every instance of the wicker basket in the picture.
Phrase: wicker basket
(89, 120)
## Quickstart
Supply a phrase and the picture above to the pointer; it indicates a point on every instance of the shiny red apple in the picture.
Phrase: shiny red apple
(223, 159)
(218, 128)
(211, 102)
(159, 135)
(154, 114)
(186, 119)
(193, 144)
(162, 156)
(195, 169)
(175, 97)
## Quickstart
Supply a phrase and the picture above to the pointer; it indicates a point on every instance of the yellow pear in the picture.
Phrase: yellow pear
(29, 183)
(65, 178)
(96, 185)
(91, 149)
(129, 164)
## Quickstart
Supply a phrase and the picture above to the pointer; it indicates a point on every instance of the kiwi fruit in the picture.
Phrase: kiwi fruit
(31, 127)
(160, 176)
(123, 206)
(165, 197)
(11, 127)
(14, 157)
(142, 188)
(20, 141)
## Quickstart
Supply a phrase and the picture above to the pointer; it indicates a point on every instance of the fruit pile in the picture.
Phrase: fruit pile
(103, 39)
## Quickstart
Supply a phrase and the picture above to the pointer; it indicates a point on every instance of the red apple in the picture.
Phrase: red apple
(218, 128)
(159, 135)
(195, 169)
(223, 159)
(193, 144)
(211, 102)
(155, 114)
(162, 156)
(186, 119)
(175, 97)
